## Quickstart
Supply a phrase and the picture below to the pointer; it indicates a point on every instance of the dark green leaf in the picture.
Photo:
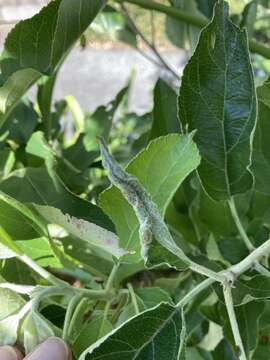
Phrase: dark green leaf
(182, 34)
(233, 249)
(206, 7)
(92, 331)
(218, 98)
(261, 155)
(153, 334)
(165, 120)
(21, 123)
(59, 206)
(249, 17)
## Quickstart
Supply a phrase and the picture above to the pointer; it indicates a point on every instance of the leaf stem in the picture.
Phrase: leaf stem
(199, 21)
(195, 291)
(111, 278)
(133, 298)
(233, 321)
(76, 314)
(69, 313)
(239, 225)
(41, 271)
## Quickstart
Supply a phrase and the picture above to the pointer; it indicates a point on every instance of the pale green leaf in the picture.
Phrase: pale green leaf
(35, 330)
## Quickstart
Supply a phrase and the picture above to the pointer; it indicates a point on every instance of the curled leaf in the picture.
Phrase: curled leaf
(150, 220)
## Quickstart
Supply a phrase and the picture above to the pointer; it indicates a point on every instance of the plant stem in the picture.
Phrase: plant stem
(262, 270)
(251, 259)
(169, 10)
(239, 225)
(195, 291)
(133, 298)
(95, 294)
(206, 272)
(189, 18)
(50, 291)
(233, 321)
(69, 313)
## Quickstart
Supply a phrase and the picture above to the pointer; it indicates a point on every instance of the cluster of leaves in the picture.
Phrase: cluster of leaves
(118, 271)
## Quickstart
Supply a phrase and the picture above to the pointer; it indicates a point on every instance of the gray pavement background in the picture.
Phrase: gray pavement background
(94, 76)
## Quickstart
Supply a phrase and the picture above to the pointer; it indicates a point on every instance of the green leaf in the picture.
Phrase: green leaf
(35, 330)
(147, 298)
(9, 330)
(249, 17)
(15, 271)
(38, 45)
(85, 150)
(59, 206)
(178, 156)
(223, 351)
(11, 304)
(245, 291)
(261, 154)
(248, 317)
(154, 334)
(21, 123)
(181, 34)
(18, 226)
(7, 161)
(206, 7)
(218, 98)
(165, 120)
(113, 24)
(233, 249)
(8, 244)
(13, 89)
(40, 251)
(97, 263)
(91, 332)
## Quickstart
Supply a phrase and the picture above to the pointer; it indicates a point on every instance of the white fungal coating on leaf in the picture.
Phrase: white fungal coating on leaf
(150, 220)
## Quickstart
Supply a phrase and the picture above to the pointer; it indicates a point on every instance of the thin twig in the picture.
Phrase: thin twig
(151, 46)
